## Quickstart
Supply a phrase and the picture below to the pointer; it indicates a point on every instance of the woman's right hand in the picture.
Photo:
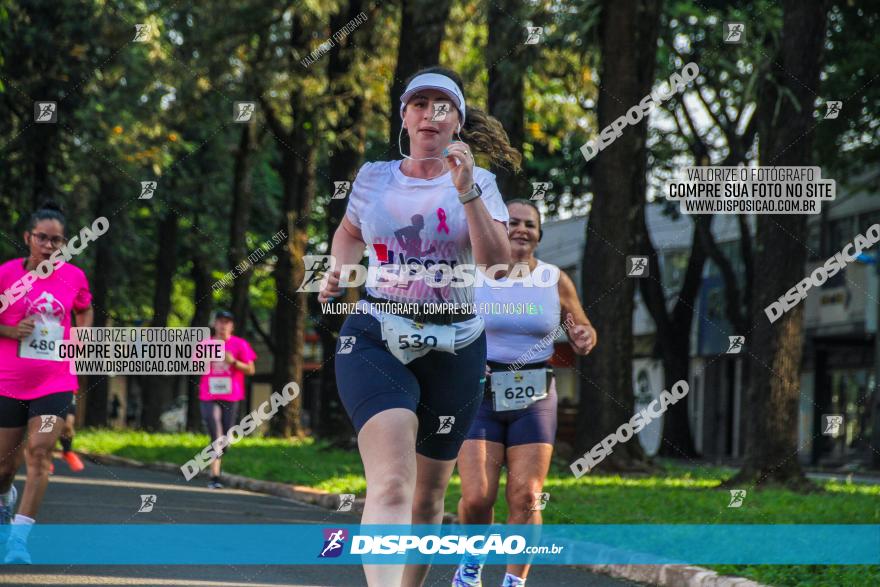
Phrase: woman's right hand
(25, 327)
(331, 288)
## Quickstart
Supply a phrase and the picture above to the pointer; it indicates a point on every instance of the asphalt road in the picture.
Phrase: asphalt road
(110, 495)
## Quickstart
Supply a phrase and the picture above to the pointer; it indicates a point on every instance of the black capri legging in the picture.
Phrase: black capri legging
(219, 416)
(442, 389)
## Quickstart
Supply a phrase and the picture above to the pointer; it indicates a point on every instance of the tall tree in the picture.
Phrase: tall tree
(628, 42)
(346, 157)
(239, 221)
(673, 330)
(785, 135)
(157, 391)
(507, 71)
(297, 144)
(422, 24)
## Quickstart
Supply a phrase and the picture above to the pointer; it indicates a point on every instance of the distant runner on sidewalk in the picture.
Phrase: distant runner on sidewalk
(222, 389)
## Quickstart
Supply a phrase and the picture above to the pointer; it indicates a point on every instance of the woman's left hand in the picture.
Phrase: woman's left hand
(461, 164)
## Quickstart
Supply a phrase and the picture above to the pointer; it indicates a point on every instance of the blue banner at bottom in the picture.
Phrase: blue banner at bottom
(300, 544)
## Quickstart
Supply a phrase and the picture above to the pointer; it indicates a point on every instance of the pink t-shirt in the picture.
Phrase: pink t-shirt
(223, 381)
(53, 300)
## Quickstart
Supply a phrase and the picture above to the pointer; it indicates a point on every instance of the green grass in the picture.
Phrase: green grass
(680, 495)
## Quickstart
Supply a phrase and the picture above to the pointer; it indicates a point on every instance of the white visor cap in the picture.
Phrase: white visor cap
(434, 81)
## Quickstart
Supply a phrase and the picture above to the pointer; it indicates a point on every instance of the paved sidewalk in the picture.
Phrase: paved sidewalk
(104, 494)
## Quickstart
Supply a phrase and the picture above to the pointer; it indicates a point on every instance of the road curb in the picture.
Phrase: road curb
(659, 575)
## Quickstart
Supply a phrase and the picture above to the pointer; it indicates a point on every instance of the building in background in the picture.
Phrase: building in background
(840, 326)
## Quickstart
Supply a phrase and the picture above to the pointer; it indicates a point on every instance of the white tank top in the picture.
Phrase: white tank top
(518, 318)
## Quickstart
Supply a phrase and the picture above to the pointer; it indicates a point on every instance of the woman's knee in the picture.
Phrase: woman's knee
(478, 502)
(38, 452)
(428, 505)
(391, 490)
(524, 497)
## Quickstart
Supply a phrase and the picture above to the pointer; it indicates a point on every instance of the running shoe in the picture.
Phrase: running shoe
(73, 461)
(16, 550)
(7, 510)
(215, 485)
(467, 575)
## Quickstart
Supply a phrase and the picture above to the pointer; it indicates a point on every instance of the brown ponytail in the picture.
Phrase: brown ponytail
(481, 131)
(485, 134)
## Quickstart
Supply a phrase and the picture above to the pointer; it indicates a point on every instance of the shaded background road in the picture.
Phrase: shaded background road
(111, 495)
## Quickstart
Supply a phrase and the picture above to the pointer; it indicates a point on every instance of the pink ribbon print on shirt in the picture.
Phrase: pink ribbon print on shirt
(441, 216)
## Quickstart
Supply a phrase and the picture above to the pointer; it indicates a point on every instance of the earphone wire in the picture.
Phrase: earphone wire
(402, 154)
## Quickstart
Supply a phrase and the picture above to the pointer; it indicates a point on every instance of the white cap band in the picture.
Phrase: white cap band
(434, 81)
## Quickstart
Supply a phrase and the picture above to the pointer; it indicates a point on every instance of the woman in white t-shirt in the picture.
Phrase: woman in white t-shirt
(410, 380)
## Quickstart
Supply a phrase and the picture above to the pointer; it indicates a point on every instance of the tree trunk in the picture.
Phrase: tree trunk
(628, 34)
(506, 85)
(785, 114)
(288, 323)
(158, 389)
(242, 196)
(298, 183)
(97, 396)
(422, 25)
(672, 338)
(204, 301)
(330, 421)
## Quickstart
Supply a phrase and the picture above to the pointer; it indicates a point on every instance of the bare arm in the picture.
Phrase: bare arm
(85, 318)
(488, 237)
(348, 249)
(581, 334)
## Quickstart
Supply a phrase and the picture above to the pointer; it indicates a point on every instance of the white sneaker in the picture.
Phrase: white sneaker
(467, 575)
(7, 510)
